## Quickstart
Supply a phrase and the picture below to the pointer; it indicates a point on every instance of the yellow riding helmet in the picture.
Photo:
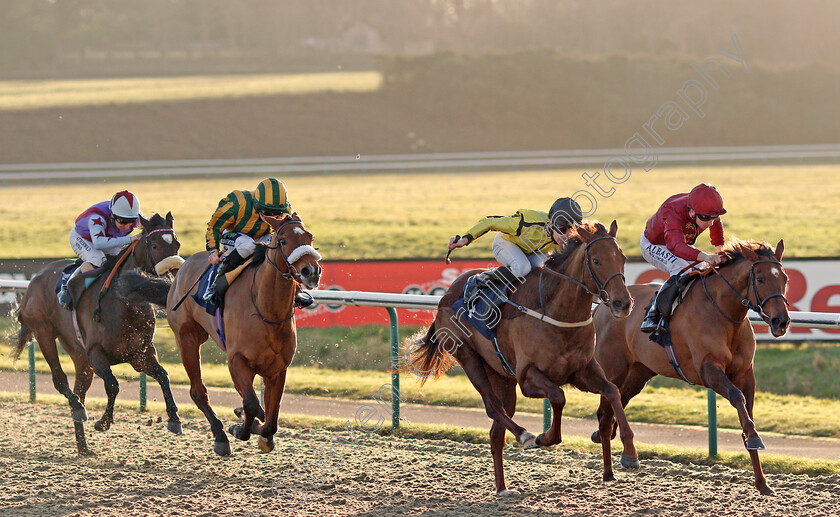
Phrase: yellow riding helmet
(270, 197)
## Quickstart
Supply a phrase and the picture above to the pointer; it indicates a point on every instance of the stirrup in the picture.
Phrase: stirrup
(649, 326)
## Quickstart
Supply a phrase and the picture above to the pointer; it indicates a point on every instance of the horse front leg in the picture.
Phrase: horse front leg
(746, 383)
(715, 378)
(102, 366)
(535, 384)
(148, 364)
(592, 379)
(243, 381)
(273, 395)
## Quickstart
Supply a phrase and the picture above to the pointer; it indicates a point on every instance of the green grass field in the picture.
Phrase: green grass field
(392, 216)
(16, 95)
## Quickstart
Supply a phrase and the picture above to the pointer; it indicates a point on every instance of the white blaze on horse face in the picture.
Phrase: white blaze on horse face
(167, 238)
(298, 230)
(775, 272)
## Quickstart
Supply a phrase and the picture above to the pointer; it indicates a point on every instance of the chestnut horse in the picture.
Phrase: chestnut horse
(259, 326)
(120, 333)
(712, 338)
(545, 355)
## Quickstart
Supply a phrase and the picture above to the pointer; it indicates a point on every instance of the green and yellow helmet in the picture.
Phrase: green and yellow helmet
(270, 198)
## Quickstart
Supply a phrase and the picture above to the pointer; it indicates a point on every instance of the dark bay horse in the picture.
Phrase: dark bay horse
(120, 333)
(543, 355)
(259, 327)
(711, 335)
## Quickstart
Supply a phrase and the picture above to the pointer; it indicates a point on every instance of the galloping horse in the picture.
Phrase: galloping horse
(545, 353)
(712, 338)
(120, 333)
(259, 326)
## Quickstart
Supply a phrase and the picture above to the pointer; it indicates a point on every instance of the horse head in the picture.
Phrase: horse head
(605, 267)
(766, 281)
(158, 245)
(292, 247)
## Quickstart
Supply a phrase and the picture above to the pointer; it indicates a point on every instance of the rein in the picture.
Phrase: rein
(602, 293)
(294, 277)
(759, 305)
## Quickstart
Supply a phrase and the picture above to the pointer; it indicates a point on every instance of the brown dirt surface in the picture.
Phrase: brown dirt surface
(141, 469)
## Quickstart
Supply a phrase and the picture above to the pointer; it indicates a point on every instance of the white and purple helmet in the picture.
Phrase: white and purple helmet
(124, 204)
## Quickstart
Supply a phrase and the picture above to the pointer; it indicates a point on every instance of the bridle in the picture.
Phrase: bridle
(753, 287)
(149, 259)
(601, 287)
(291, 273)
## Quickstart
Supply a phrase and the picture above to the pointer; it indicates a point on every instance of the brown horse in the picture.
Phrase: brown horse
(712, 338)
(544, 355)
(259, 327)
(118, 333)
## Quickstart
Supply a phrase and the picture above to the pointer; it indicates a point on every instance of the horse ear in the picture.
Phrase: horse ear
(584, 233)
(169, 219)
(145, 223)
(780, 248)
(613, 228)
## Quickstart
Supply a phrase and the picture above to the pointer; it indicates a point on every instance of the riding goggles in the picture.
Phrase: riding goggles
(706, 218)
(123, 220)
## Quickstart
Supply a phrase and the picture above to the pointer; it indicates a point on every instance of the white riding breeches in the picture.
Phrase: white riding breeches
(662, 259)
(512, 256)
(84, 249)
(244, 244)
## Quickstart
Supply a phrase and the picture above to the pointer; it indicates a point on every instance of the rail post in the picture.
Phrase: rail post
(395, 363)
(31, 372)
(142, 392)
(712, 397)
(546, 415)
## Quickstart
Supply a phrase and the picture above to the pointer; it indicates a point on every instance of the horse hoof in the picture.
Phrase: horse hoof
(79, 415)
(222, 448)
(766, 490)
(86, 452)
(266, 444)
(240, 413)
(630, 463)
(102, 426)
(755, 444)
(609, 476)
(256, 426)
(508, 493)
(174, 427)
(528, 440)
(596, 437)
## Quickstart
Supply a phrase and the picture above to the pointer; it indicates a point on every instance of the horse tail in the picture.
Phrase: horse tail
(424, 357)
(24, 335)
(134, 287)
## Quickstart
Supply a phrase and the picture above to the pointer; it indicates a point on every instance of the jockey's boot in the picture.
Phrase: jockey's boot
(65, 299)
(501, 279)
(217, 289)
(654, 320)
(303, 300)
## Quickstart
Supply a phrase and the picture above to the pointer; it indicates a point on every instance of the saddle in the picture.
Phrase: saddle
(79, 284)
(481, 303)
(217, 302)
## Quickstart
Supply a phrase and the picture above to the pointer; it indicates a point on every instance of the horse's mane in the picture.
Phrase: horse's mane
(559, 257)
(751, 250)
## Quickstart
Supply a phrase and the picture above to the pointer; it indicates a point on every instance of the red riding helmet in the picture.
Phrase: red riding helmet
(705, 199)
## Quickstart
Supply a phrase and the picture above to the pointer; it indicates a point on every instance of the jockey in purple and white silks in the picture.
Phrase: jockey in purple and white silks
(101, 230)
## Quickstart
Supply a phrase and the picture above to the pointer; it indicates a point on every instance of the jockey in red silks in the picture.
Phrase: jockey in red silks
(667, 242)
(101, 230)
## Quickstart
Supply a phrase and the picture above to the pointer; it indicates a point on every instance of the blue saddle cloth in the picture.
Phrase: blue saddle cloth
(481, 315)
(207, 279)
(211, 306)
